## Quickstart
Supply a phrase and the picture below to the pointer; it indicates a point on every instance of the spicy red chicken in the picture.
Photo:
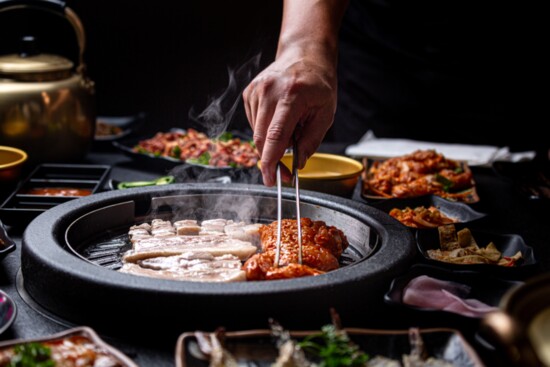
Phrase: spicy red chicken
(322, 247)
(420, 173)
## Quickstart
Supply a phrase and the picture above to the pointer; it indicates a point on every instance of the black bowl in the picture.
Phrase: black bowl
(462, 212)
(507, 244)
(485, 288)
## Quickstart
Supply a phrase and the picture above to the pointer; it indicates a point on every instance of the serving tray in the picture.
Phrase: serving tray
(23, 205)
(81, 333)
(257, 347)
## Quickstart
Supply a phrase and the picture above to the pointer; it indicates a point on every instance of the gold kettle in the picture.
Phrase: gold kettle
(47, 106)
(520, 329)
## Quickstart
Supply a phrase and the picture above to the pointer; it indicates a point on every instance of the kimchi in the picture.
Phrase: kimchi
(420, 173)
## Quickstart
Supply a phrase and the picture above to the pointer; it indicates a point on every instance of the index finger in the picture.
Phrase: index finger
(278, 138)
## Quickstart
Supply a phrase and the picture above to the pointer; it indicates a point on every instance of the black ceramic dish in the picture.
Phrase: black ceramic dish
(483, 287)
(21, 207)
(462, 212)
(116, 357)
(186, 171)
(126, 125)
(530, 178)
(257, 347)
(468, 196)
(7, 245)
(8, 311)
(507, 244)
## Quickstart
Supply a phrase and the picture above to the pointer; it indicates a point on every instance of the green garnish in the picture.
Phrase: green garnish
(252, 144)
(32, 355)
(176, 152)
(225, 136)
(159, 181)
(334, 348)
(203, 159)
(445, 182)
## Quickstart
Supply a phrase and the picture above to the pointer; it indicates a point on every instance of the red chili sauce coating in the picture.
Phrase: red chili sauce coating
(57, 191)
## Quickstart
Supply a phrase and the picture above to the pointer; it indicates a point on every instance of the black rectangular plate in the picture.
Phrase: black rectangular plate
(20, 208)
(257, 347)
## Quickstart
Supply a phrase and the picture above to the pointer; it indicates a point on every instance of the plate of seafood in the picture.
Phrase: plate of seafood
(428, 211)
(458, 247)
(419, 173)
(79, 346)
(445, 293)
(331, 345)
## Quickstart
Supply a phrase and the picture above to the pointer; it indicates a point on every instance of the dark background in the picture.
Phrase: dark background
(166, 58)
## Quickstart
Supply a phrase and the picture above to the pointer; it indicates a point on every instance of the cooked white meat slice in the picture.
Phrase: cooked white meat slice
(214, 225)
(197, 275)
(216, 245)
(161, 227)
(187, 227)
(145, 226)
(139, 231)
(191, 261)
(186, 222)
(245, 232)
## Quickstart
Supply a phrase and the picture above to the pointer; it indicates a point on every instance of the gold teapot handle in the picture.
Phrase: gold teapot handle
(57, 7)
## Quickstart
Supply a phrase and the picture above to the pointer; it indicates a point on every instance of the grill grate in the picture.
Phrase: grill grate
(108, 252)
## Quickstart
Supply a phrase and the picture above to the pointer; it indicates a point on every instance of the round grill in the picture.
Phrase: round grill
(71, 253)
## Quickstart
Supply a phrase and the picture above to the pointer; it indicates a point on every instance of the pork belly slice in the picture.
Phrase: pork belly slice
(244, 232)
(190, 266)
(216, 245)
(161, 227)
(214, 225)
(187, 227)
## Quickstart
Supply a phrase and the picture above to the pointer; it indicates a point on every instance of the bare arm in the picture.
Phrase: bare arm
(299, 87)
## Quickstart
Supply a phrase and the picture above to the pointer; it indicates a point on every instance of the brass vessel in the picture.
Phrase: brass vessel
(47, 105)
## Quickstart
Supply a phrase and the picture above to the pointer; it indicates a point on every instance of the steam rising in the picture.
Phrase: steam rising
(216, 118)
(213, 121)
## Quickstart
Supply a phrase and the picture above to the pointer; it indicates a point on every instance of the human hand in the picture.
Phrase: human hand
(294, 90)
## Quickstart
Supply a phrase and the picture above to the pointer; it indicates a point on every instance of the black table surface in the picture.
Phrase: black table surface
(508, 212)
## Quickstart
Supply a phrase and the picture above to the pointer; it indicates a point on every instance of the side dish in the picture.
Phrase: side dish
(422, 172)
(195, 147)
(329, 346)
(428, 292)
(69, 351)
(460, 247)
(421, 217)
(56, 191)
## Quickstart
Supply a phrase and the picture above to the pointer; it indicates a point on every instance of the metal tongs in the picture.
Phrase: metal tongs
(296, 184)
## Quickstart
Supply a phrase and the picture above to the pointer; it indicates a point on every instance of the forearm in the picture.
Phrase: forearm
(310, 29)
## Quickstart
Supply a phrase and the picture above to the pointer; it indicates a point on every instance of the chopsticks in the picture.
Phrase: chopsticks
(295, 182)
(279, 210)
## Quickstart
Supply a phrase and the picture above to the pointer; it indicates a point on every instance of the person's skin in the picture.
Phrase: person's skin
(299, 87)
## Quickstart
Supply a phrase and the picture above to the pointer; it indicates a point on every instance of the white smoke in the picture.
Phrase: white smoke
(218, 115)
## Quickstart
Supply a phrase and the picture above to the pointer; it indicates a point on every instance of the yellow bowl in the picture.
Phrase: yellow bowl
(329, 173)
(11, 163)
